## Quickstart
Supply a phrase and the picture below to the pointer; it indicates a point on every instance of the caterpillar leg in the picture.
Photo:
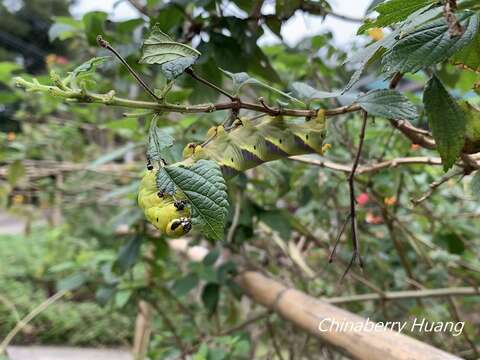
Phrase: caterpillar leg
(325, 148)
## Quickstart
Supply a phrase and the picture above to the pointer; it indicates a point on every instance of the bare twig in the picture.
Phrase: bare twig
(353, 214)
(433, 186)
(106, 45)
(190, 72)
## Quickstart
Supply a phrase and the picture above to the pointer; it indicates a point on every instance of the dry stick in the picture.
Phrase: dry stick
(106, 45)
(22, 323)
(353, 214)
(408, 294)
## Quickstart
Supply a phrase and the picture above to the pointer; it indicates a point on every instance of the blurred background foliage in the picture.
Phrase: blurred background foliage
(71, 171)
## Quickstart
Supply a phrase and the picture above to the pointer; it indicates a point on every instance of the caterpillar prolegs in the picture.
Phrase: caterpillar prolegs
(245, 146)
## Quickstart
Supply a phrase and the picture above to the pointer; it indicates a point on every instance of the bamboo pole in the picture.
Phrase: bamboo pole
(307, 312)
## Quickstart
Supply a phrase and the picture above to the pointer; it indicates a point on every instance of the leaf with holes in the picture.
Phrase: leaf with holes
(389, 104)
(174, 57)
(204, 187)
(447, 121)
(428, 45)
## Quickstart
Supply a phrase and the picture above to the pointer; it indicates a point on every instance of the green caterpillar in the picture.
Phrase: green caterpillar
(245, 146)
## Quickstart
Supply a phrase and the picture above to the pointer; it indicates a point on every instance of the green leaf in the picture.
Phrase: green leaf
(308, 93)
(469, 56)
(173, 57)
(158, 141)
(389, 104)
(184, 285)
(242, 78)
(394, 11)
(15, 172)
(128, 255)
(447, 121)
(211, 257)
(204, 187)
(428, 45)
(210, 297)
(72, 282)
(6, 69)
(94, 25)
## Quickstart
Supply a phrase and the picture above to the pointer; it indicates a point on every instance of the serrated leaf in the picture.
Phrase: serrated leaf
(158, 141)
(374, 51)
(308, 93)
(469, 56)
(393, 11)
(447, 121)
(242, 78)
(204, 187)
(428, 45)
(389, 104)
(160, 49)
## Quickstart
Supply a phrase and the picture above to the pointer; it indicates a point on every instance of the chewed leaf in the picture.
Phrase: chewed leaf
(160, 49)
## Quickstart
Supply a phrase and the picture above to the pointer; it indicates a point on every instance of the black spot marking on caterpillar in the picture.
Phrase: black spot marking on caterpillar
(157, 219)
(306, 137)
(280, 141)
(175, 225)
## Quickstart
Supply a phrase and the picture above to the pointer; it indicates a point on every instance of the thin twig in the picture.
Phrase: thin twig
(353, 213)
(190, 72)
(433, 186)
(106, 45)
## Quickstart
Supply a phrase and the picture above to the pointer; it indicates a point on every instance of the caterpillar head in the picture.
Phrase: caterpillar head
(178, 227)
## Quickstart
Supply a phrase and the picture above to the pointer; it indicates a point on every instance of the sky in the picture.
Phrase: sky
(296, 28)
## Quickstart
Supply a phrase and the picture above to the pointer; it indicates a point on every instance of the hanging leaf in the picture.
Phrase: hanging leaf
(389, 104)
(128, 255)
(204, 187)
(174, 57)
(158, 141)
(429, 45)
(447, 121)
(210, 297)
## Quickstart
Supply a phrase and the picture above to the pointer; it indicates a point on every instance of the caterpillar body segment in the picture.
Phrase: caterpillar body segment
(169, 214)
(250, 145)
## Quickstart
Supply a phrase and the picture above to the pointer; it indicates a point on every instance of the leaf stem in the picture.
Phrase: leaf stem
(190, 72)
